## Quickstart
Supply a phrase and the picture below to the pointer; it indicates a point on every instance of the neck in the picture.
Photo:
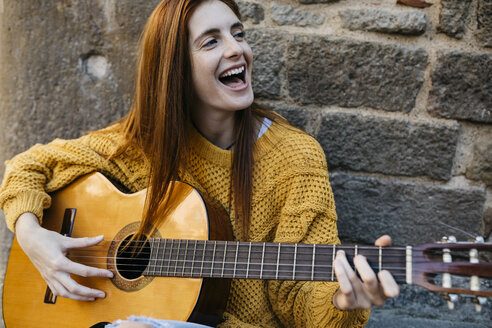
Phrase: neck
(216, 128)
(245, 260)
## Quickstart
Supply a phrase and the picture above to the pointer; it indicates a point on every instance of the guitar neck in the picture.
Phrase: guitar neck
(272, 261)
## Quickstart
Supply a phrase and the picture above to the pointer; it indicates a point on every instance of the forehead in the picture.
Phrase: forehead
(208, 15)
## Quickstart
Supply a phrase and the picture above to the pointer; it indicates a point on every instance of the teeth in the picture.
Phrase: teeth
(233, 71)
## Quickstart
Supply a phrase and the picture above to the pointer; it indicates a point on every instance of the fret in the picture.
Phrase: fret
(170, 255)
(203, 258)
(332, 264)
(184, 260)
(177, 259)
(380, 258)
(224, 260)
(295, 263)
(157, 243)
(286, 268)
(312, 262)
(213, 259)
(235, 260)
(249, 257)
(262, 261)
(150, 269)
(355, 250)
(409, 265)
(162, 257)
(278, 261)
(193, 261)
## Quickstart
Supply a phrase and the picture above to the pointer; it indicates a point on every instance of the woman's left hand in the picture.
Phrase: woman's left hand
(369, 290)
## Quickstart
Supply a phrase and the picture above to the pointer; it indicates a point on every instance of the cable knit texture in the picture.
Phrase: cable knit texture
(292, 202)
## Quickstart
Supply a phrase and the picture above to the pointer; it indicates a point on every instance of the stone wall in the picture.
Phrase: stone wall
(399, 97)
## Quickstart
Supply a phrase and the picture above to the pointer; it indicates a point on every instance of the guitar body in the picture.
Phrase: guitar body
(102, 209)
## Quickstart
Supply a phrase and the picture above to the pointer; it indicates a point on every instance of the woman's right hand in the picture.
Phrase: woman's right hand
(47, 250)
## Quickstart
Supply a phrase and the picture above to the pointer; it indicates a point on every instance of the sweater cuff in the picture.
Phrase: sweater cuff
(27, 201)
(327, 315)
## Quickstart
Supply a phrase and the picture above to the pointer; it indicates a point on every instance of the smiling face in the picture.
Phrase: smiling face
(221, 60)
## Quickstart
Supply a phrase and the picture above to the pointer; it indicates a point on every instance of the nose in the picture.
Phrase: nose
(232, 48)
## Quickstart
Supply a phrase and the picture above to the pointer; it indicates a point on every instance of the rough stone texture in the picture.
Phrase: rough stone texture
(461, 86)
(251, 11)
(453, 17)
(410, 212)
(417, 307)
(50, 91)
(317, 1)
(350, 73)
(377, 20)
(269, 49)
(484, 22)
(395, 147)
(481, 168)
(286, 15)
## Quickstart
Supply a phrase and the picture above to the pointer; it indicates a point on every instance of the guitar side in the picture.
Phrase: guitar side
(102, 209)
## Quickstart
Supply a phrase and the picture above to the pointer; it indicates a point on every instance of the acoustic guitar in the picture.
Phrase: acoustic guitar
(182, 270)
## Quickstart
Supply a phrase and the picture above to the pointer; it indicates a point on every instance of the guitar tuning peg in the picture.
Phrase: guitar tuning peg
(479, 239)
(475, 280)
(479, 302)
(451, 299)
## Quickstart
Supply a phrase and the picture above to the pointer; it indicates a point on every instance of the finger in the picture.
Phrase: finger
(342, 276)
(77, 289)
(383, 241)
(373, 288)
(344, 298)
(84, 270)
(82, 242)
(63, 292)
(388, 284)
(362, 298)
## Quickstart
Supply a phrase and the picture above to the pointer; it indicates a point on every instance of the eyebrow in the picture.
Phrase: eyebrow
(216, 30)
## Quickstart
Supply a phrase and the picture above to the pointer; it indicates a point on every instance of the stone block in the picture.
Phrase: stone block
(484, 22)
(329, 70)
(412, 213)
(388, 146)
(384, 21)
(481, 167)
(251, 11)
(461, 86)
(453, 17)
(297, 116)
(416, 308)
(286, 15)
(268, 49)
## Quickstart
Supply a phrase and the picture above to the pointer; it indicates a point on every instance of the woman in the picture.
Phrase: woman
(193, 119)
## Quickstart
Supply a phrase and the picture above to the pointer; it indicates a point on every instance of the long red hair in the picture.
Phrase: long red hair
(160, 116)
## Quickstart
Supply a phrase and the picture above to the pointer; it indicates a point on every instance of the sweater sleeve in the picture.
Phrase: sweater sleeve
(42, 169)
(308, 216)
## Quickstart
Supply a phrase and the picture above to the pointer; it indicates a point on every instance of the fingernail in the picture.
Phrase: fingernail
(110, 274)
(101, 295)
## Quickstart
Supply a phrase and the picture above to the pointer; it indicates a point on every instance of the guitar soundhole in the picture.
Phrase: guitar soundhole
(133, 258)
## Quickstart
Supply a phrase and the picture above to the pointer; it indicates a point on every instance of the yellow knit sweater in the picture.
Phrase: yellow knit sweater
(292, 202)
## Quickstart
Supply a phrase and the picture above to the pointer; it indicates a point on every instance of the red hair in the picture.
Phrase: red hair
(160, 116)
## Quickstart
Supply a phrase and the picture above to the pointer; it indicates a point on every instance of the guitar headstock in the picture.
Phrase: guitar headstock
(455, 268)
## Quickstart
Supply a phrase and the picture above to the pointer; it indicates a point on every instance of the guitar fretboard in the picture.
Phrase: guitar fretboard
(272, 261)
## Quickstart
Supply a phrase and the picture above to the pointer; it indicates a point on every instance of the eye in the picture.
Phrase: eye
(239, 35)
(209, 43)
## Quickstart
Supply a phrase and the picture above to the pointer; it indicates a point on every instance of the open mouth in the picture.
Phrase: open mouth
(234, 78)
